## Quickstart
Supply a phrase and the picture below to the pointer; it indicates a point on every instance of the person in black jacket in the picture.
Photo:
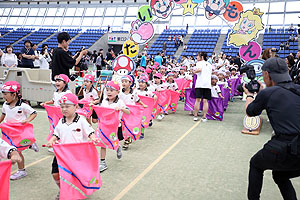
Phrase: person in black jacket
(281, 154)
(63, 60)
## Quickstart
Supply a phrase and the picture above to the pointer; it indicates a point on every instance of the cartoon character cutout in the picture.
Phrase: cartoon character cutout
(162, 8)
(140, 32)
(122, 66)
(247, 28)
(214, 8)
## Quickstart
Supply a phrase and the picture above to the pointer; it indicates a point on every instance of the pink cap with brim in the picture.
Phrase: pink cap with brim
(142, 69)
(148, 70)
(158, 75)
(127, 77)
(143, 79)
(69, 98)
(113, 85)
(11, 86)
(89, 77)
(62, 77)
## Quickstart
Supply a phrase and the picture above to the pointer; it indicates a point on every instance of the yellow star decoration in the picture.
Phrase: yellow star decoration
(189, 7)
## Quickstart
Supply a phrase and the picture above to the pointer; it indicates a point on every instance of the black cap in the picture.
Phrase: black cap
(278, 69)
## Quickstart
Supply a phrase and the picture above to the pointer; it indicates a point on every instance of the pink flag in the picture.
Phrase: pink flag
(132, 123)
(79, 170)
(147, 111)
(182, 84)
(174, 100)
(5, 167)
(54, 115)
(18, 135)
(164, 101)
(155, 107)
(87, 110)
(107, 130)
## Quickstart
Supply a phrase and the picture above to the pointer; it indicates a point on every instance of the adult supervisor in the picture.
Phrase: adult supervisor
(281, 154)
(63, 60)
(203, 70)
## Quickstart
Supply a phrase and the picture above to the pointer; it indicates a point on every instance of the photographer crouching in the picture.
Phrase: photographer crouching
(281, 154)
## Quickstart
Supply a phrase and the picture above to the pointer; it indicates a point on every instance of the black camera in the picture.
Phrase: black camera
(73, 77)
(89, 53)
(253, 86)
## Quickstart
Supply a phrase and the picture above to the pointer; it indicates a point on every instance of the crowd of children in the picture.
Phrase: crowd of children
(75, 128)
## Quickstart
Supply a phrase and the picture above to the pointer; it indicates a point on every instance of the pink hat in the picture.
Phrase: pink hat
(143, 79)
(113, 85)
(156, 64)
(148, 70)
(155, 67)
(89, 77)
(69, 98)
(62, 77)
(142, 69)
(127, 77)
(158, 75)
(11, 86)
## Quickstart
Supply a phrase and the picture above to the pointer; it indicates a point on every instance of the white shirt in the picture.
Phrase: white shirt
(225, 84)
(158, 87)
(146, 93)
(42, 62)
(91, 94)
(221, 62)
(130, 98)
(215, 90)
(36, 62)
(117, 103)
(9, 59)
(172, 86)
(57, 96)
(18, 113)
(203, 77)
(76, 132)
(4, 149)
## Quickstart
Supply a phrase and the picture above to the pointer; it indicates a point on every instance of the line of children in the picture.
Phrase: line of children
(14, 110)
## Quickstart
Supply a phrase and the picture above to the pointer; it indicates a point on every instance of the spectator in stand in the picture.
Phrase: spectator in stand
(187, 28)
(290, 61)
(43, 59)
(164, 47)
(36, 62)
(158, 59)
(282, 46)
(169, 38)
(27, 55)
(287, 45)
(144, 60)
(295, 69)
(185, 47)
(62, 60)
(9, 59)
(181, 40)
(291, 27)
(292, 38)
(19, 59)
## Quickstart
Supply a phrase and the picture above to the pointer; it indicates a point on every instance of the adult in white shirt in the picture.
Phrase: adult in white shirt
(186, 62)
(43, 59)
(203, 70)
(223, 63)
(9, 59)
(36, 62)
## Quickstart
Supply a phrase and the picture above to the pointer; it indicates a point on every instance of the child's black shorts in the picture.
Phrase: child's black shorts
(54, 166)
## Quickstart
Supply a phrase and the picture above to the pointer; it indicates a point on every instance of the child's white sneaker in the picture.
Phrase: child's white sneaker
(160, 117)
(103, 166)
(195, 119)
(18, 175)
(204, 120)
(119, 152)
(34, 147)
